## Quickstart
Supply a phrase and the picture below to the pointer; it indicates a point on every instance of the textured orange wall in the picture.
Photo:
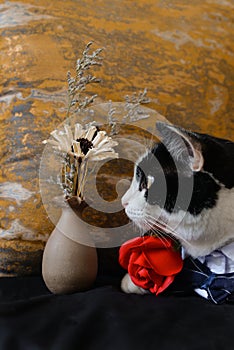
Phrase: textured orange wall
(182, 51)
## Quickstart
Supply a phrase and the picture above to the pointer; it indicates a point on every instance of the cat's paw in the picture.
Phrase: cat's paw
(128, 286)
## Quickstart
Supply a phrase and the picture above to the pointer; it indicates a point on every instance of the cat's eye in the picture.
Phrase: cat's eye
(146, 182)
(143, 183)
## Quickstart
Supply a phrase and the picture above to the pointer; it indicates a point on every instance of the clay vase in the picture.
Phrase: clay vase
(67, 265)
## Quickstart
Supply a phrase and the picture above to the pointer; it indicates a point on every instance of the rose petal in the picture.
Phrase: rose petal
(143, 273)
(132, 243)
(133, 269)
(132, 258)
(141, 260)
(125, 251)
(157, 282)
(143, 283)
(165, 262)
(156, 242)
(168, 280)
(124, 257)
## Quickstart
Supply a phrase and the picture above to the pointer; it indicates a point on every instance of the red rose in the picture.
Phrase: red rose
(151, 262)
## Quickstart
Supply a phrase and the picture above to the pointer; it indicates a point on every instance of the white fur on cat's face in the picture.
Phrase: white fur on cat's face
(135, 204)
(142, 213)
(199, 234)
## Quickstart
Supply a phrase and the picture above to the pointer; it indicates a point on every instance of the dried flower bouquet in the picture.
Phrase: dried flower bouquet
(70, 260)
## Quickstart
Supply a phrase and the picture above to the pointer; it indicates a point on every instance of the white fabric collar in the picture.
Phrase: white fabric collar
(220, 261)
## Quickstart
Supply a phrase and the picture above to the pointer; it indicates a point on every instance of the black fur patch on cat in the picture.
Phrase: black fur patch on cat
(164, 190)
(219, 158)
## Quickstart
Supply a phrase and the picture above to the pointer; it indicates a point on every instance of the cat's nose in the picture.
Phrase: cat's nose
(124, 203)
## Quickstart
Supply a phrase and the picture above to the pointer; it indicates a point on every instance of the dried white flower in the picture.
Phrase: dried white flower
(88, 143)
(77, 148)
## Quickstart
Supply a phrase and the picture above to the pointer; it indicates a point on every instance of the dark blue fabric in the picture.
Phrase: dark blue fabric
(197, 275)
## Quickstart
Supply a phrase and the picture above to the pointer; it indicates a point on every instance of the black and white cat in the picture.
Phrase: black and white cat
(185, 186)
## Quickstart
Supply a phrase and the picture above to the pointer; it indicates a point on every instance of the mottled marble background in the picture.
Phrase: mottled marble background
(181, 50)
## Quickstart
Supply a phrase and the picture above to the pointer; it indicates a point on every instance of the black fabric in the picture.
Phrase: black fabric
(105, 318)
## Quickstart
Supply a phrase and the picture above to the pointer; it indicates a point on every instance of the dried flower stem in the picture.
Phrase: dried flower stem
(83, 178)
(133, 106)
(77, 85)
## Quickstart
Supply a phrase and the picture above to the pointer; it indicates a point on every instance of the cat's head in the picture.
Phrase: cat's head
(179, 177)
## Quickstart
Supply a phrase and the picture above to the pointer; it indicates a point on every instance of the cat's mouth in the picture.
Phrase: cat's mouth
(134, 215)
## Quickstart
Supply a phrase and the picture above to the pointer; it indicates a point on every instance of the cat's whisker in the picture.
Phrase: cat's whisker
(152, 223)
(166, 234)
(159, 222)
(162, 225)
(136, 228)
(162, 238)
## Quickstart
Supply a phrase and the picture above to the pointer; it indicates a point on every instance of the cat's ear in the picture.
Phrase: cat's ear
(182, 144)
